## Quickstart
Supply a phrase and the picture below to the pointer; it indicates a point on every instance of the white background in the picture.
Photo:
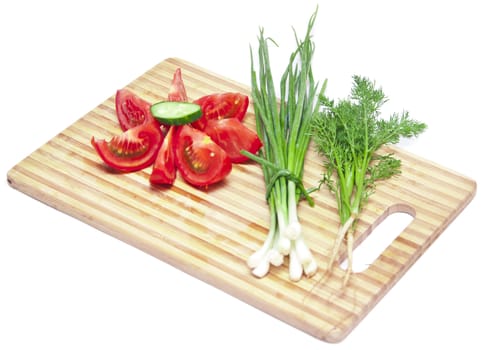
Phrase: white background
(65, 285)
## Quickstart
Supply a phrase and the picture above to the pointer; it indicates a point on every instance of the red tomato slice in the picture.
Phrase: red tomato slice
(177, 90)
(134, 149)
(200, 161)
(164, 169)
(221, 106)
(233, 136)
(132, 110)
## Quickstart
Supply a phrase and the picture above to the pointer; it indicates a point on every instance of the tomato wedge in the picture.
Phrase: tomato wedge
(233, 136)
(133, 150)
(132, 110)
(221, 106)
(200, 161)
(177, 90)
(164, 169)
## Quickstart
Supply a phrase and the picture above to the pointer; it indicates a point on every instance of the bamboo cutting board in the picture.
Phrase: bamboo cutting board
(209, 233)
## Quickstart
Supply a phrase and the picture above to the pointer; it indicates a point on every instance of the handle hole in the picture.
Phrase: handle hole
(382, 235)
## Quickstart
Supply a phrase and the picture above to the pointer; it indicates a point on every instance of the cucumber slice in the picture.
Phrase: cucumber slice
(175, 113)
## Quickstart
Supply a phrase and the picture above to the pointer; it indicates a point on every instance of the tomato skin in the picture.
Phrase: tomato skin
(200, 161)
(133, 150)
(164, 169)
(132, 110)
(221, 106)
(233, 136)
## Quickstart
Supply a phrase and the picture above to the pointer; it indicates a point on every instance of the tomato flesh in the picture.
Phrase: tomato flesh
(132, 110)
(133, 150)
(200, 161)
(233, 136)
(221, 106)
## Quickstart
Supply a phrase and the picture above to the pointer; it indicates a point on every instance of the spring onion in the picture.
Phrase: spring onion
(283, 125)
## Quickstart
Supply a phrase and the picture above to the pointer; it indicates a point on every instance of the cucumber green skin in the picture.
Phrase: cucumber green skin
(177, 120)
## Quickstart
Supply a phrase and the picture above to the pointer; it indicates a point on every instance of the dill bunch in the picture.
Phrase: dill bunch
(349, 133)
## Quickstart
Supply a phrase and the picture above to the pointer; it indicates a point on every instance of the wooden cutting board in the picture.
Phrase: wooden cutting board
(210, 233)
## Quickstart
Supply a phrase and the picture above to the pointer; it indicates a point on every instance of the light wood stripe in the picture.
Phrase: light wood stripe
(210, 233)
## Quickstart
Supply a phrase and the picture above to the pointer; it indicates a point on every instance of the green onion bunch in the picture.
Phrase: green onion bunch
(283, 125)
